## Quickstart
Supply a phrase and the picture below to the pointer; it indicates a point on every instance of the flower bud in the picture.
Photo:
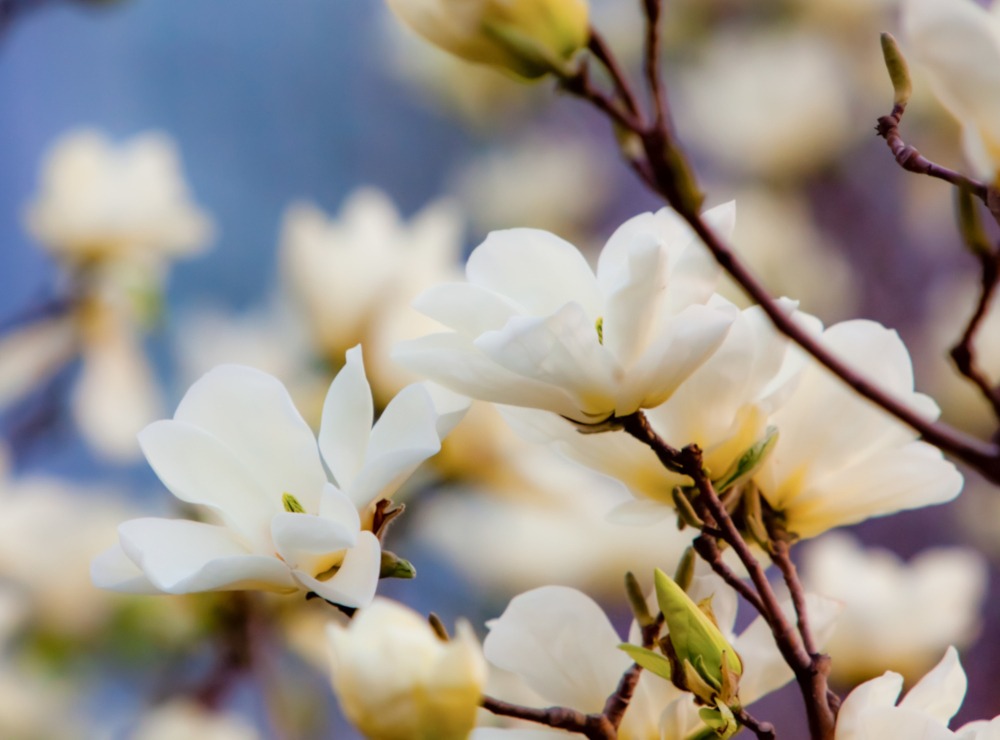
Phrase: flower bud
(397, 680)
(708, 664)
(528, 37)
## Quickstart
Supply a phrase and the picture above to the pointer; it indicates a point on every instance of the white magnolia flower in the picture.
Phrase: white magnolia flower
(724, 408)
(527, 37)
(880, 594)
(238, 447)
(839, 459)
(564, 647)
(397, 680)
(871, 710)
(957, 44)
(128, 201)
(354, 276)
(535, 327)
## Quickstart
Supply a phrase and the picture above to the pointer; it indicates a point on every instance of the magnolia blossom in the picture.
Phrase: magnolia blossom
(839, 459)
(186, 718)
(957, 44)
(857, 463)
(562, 645)
(724, 408)
(880, 593)
(112, 217)
(99, 200)
(535, 327)
(238, 447)
(353, 276)
(527, 37)
(871, 710)
(397, 680)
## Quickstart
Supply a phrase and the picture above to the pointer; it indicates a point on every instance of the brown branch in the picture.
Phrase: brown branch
(780, 556)
(913, 161)
(580, 84)
(599, 48)
(763, 730)
(963, 353)
(591, 726)
(654, 80)
(708, 549)
(618, 702)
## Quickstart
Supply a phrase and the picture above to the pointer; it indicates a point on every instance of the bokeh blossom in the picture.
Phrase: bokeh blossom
(398, 680)
(880, 593)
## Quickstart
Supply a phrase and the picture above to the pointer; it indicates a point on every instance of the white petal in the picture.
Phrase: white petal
(453, 362)
(405, 435)
(675, 353)
(180, 556)
(113, 570)
(880, 692)
(253, 415)
(199, 469)
(631, 308)
(561, 350)
(347, 420)
(535, 269)
(355, 582)
(300, 537)
(561, 643)
(30, 356)
(116, 394)
(940, 692)
(466, 308)
(337, 505)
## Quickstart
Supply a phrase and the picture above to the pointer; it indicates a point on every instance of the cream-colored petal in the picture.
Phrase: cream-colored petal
(347, 421)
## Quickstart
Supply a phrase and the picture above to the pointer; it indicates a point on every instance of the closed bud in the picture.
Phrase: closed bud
(530, 38)
(698, 646)
(397, 680)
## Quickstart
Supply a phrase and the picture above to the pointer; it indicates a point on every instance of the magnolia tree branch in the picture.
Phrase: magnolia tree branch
(652, 152)
(964, 353)
(810, 670)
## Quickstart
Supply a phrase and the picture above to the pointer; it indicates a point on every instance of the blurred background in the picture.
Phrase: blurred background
(302, 148)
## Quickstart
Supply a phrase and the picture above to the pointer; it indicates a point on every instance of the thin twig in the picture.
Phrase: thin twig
(763, 730)
(913, 161)
(963, 353)
(579, 84)
(599, 48)
(618, 702)
(780, 557)
(654, 79)
(708, 549)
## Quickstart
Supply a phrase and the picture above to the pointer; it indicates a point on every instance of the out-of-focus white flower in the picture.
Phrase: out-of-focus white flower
(839, 459)
(102, 201)
(544, 182)
(47, 534)
(871, 710)
(355, 275)
(184, 718)
(32, 355)
(957, 44)
(238, 447)
(881, 595)
(563, 646)
(535, 327)
(397, 680)
(527, 37)
(767, 104)
(558, 510)
(777, 237)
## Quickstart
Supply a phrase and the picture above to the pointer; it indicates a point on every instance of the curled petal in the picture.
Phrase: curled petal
(347, 420)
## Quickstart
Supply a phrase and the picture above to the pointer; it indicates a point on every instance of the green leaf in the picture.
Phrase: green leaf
(650, 661)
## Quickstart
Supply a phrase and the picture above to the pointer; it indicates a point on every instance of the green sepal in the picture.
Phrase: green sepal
(720, 720)
(649, 660)
(692, 632)
(393, 566)
(748, 462)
